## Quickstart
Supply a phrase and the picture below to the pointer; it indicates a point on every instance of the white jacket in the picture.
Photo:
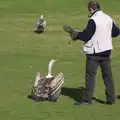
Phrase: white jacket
(102, 40)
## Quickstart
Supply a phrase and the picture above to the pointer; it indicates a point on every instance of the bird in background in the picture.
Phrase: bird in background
(40, 25)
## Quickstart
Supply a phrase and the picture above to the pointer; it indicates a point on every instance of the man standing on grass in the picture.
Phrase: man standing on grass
(97, 37)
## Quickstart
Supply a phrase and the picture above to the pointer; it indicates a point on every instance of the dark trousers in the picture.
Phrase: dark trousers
(92, 63)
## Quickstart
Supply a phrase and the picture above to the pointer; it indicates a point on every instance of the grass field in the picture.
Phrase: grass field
(23, 53)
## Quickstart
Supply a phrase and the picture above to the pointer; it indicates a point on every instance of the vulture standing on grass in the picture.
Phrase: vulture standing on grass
(40, 25)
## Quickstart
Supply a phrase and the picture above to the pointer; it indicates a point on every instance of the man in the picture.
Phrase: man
(97, 37)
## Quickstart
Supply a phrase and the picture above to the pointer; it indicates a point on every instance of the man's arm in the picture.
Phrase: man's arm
(88, 32)
(115, 30)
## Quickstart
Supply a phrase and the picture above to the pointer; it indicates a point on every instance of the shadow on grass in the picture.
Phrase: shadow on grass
(118, 97)
(73, 93)
(77, 94)
(99, 101)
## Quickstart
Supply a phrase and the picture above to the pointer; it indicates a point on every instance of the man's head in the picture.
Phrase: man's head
(93, 6)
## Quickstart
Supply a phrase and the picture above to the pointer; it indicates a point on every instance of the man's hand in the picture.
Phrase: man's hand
(73, 33)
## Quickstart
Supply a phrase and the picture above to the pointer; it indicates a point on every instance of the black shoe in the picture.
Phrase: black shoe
(81, 103)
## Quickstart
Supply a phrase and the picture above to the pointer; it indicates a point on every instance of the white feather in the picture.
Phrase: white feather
(41, 17)
(44, 24)
(37, 79)
(50, 68)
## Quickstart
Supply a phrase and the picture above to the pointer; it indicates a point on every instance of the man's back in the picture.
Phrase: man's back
(102, 38)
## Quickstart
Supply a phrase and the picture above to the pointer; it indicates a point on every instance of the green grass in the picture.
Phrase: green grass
(20, 49)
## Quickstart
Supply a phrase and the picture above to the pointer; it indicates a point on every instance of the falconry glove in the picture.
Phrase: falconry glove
(73, 33)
